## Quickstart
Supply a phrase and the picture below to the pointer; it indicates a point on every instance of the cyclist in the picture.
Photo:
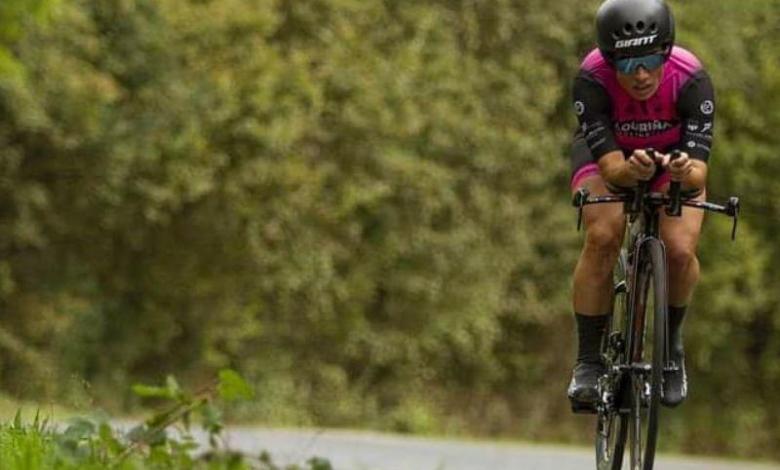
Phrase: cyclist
(636, 91)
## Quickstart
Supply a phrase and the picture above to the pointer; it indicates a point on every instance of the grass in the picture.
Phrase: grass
(162, 441)
(85, 447)
(9, 407)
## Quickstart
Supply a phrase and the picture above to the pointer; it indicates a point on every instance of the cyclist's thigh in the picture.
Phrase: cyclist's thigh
(683, 232)
(607, 218)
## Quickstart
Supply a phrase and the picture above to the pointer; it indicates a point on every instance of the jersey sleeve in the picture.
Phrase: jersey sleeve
(592, 106)
(696, 108)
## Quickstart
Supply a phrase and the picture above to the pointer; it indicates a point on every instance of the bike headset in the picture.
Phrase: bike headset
(636, 29)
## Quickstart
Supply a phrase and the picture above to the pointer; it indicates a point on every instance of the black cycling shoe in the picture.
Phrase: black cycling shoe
(675, 387)
(584, 387)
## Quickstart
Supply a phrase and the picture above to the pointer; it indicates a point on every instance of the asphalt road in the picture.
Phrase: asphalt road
(373, 451)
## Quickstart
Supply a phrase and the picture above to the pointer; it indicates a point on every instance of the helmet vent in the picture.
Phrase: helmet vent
(628, 28)
(640, 26)
(653, 28)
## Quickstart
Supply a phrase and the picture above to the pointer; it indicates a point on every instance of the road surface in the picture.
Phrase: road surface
(373, 451)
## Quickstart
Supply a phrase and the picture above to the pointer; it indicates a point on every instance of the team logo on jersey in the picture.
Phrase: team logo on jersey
(707, 107)
(643, 41)
(642, 128)
(579, 108)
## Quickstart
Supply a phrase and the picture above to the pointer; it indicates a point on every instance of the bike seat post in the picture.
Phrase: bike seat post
(732, 209)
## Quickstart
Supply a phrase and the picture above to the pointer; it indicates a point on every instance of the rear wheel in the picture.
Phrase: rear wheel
(648, 359)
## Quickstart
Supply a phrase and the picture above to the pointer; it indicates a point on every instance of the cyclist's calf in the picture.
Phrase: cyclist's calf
(593, 274)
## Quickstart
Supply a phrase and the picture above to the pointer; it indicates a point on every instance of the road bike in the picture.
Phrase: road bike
(636, 347)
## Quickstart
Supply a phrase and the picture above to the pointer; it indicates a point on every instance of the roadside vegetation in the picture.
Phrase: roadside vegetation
(163, 441)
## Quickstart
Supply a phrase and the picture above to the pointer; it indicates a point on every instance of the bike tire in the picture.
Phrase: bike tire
(646, 404)
(611, 425)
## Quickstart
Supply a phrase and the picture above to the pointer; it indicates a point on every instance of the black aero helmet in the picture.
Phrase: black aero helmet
(634, 27)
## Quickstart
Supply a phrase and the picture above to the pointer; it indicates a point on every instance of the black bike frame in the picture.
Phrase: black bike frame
(643, 205)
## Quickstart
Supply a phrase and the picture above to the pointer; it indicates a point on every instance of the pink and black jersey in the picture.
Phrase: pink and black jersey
(679, 116)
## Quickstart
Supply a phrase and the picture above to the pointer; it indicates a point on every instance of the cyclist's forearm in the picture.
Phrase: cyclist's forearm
(615, 170)
(621, 177)
(697, 178)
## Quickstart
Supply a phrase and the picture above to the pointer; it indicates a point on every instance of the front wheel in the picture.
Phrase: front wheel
(612, 421)
(611, 432)
(648, 360)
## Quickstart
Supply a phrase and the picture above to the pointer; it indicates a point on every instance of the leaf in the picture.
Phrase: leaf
(233, 387)
(158, 419)
(173, 387)
(147, 435)
(109, 440)
(137, 433)
(80, 428)
(151, 391)
(212, 419)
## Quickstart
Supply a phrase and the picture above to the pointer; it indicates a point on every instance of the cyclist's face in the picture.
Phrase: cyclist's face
(641, 84)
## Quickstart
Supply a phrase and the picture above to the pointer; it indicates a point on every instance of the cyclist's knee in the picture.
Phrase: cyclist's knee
(680, 256)
(604, 238)
(603, 241)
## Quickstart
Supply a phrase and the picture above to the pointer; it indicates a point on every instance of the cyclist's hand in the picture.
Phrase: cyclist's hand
(678, 168)
(641, 166)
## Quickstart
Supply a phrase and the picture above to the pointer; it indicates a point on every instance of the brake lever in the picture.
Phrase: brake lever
(733, 211)
(579, 202)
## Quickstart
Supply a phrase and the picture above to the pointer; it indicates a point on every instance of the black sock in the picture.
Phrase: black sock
(676, 317)
(590, 330)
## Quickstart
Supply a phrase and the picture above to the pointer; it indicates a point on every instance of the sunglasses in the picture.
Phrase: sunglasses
(650, 62)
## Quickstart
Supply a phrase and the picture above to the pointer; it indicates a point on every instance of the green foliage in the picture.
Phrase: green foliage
(94, 444)
(15, 18)
(233, 387)
(171, 390)
(361, 205)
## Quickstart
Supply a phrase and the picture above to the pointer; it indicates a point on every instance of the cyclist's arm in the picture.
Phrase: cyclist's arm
(593, 108)
(697, 178)
(615, 169)
(696, 107)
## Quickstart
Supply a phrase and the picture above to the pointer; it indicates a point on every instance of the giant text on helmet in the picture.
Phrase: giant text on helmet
(643, 41)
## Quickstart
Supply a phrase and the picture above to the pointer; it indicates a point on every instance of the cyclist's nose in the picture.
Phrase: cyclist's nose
(641, 73)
